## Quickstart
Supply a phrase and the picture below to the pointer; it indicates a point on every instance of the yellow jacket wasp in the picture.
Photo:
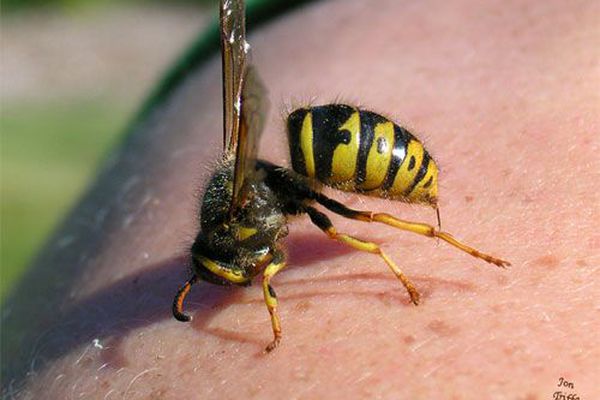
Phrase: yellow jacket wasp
(247, 201)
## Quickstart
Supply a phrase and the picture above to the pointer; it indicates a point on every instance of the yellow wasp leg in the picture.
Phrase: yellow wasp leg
(276, 265)
(415, 227)
(428, 230)
(323, 222)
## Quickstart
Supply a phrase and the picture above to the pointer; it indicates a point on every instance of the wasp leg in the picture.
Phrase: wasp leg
(416, 227)
(178, 301)
(322, 221)
(276, 265)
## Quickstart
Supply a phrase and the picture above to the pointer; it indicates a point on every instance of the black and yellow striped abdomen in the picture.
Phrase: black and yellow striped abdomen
(361, 151)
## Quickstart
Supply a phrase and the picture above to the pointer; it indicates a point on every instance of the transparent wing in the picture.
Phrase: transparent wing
(254, 109)
(233, 57)
(245, 103)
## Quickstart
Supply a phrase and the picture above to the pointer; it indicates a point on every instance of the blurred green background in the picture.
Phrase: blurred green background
(74, 72)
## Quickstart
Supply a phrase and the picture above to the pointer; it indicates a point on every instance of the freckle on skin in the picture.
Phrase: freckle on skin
(441, 328)
(409, 339)
(469, 199)
(303, 306)
(384, 298)
(509, 351)
(549, 261)
(496, 308)
(581, 263)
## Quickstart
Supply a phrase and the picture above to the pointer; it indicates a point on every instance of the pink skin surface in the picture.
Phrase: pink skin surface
(505, 97)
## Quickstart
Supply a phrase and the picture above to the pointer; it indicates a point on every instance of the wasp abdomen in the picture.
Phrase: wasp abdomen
(361, 151)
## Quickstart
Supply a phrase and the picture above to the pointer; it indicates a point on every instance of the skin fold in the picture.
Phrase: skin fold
(504, 96)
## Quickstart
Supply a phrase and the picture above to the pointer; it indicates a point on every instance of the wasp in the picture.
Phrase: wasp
(247, 201)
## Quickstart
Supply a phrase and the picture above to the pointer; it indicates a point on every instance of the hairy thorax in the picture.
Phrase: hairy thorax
(238, 239)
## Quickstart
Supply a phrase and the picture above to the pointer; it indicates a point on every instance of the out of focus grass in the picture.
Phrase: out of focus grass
(49, 151)
(18, 5)
(68, 92)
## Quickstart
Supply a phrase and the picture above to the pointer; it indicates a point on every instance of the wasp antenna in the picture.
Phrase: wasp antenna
(180, 297)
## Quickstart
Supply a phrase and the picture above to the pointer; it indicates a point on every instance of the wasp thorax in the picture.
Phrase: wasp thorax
(231, 246)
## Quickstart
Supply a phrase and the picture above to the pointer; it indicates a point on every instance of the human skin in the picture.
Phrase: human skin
(504, 96)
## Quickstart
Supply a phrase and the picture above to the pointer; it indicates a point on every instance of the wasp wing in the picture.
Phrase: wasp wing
(245, 103)
(234, 49)
(254, 108)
